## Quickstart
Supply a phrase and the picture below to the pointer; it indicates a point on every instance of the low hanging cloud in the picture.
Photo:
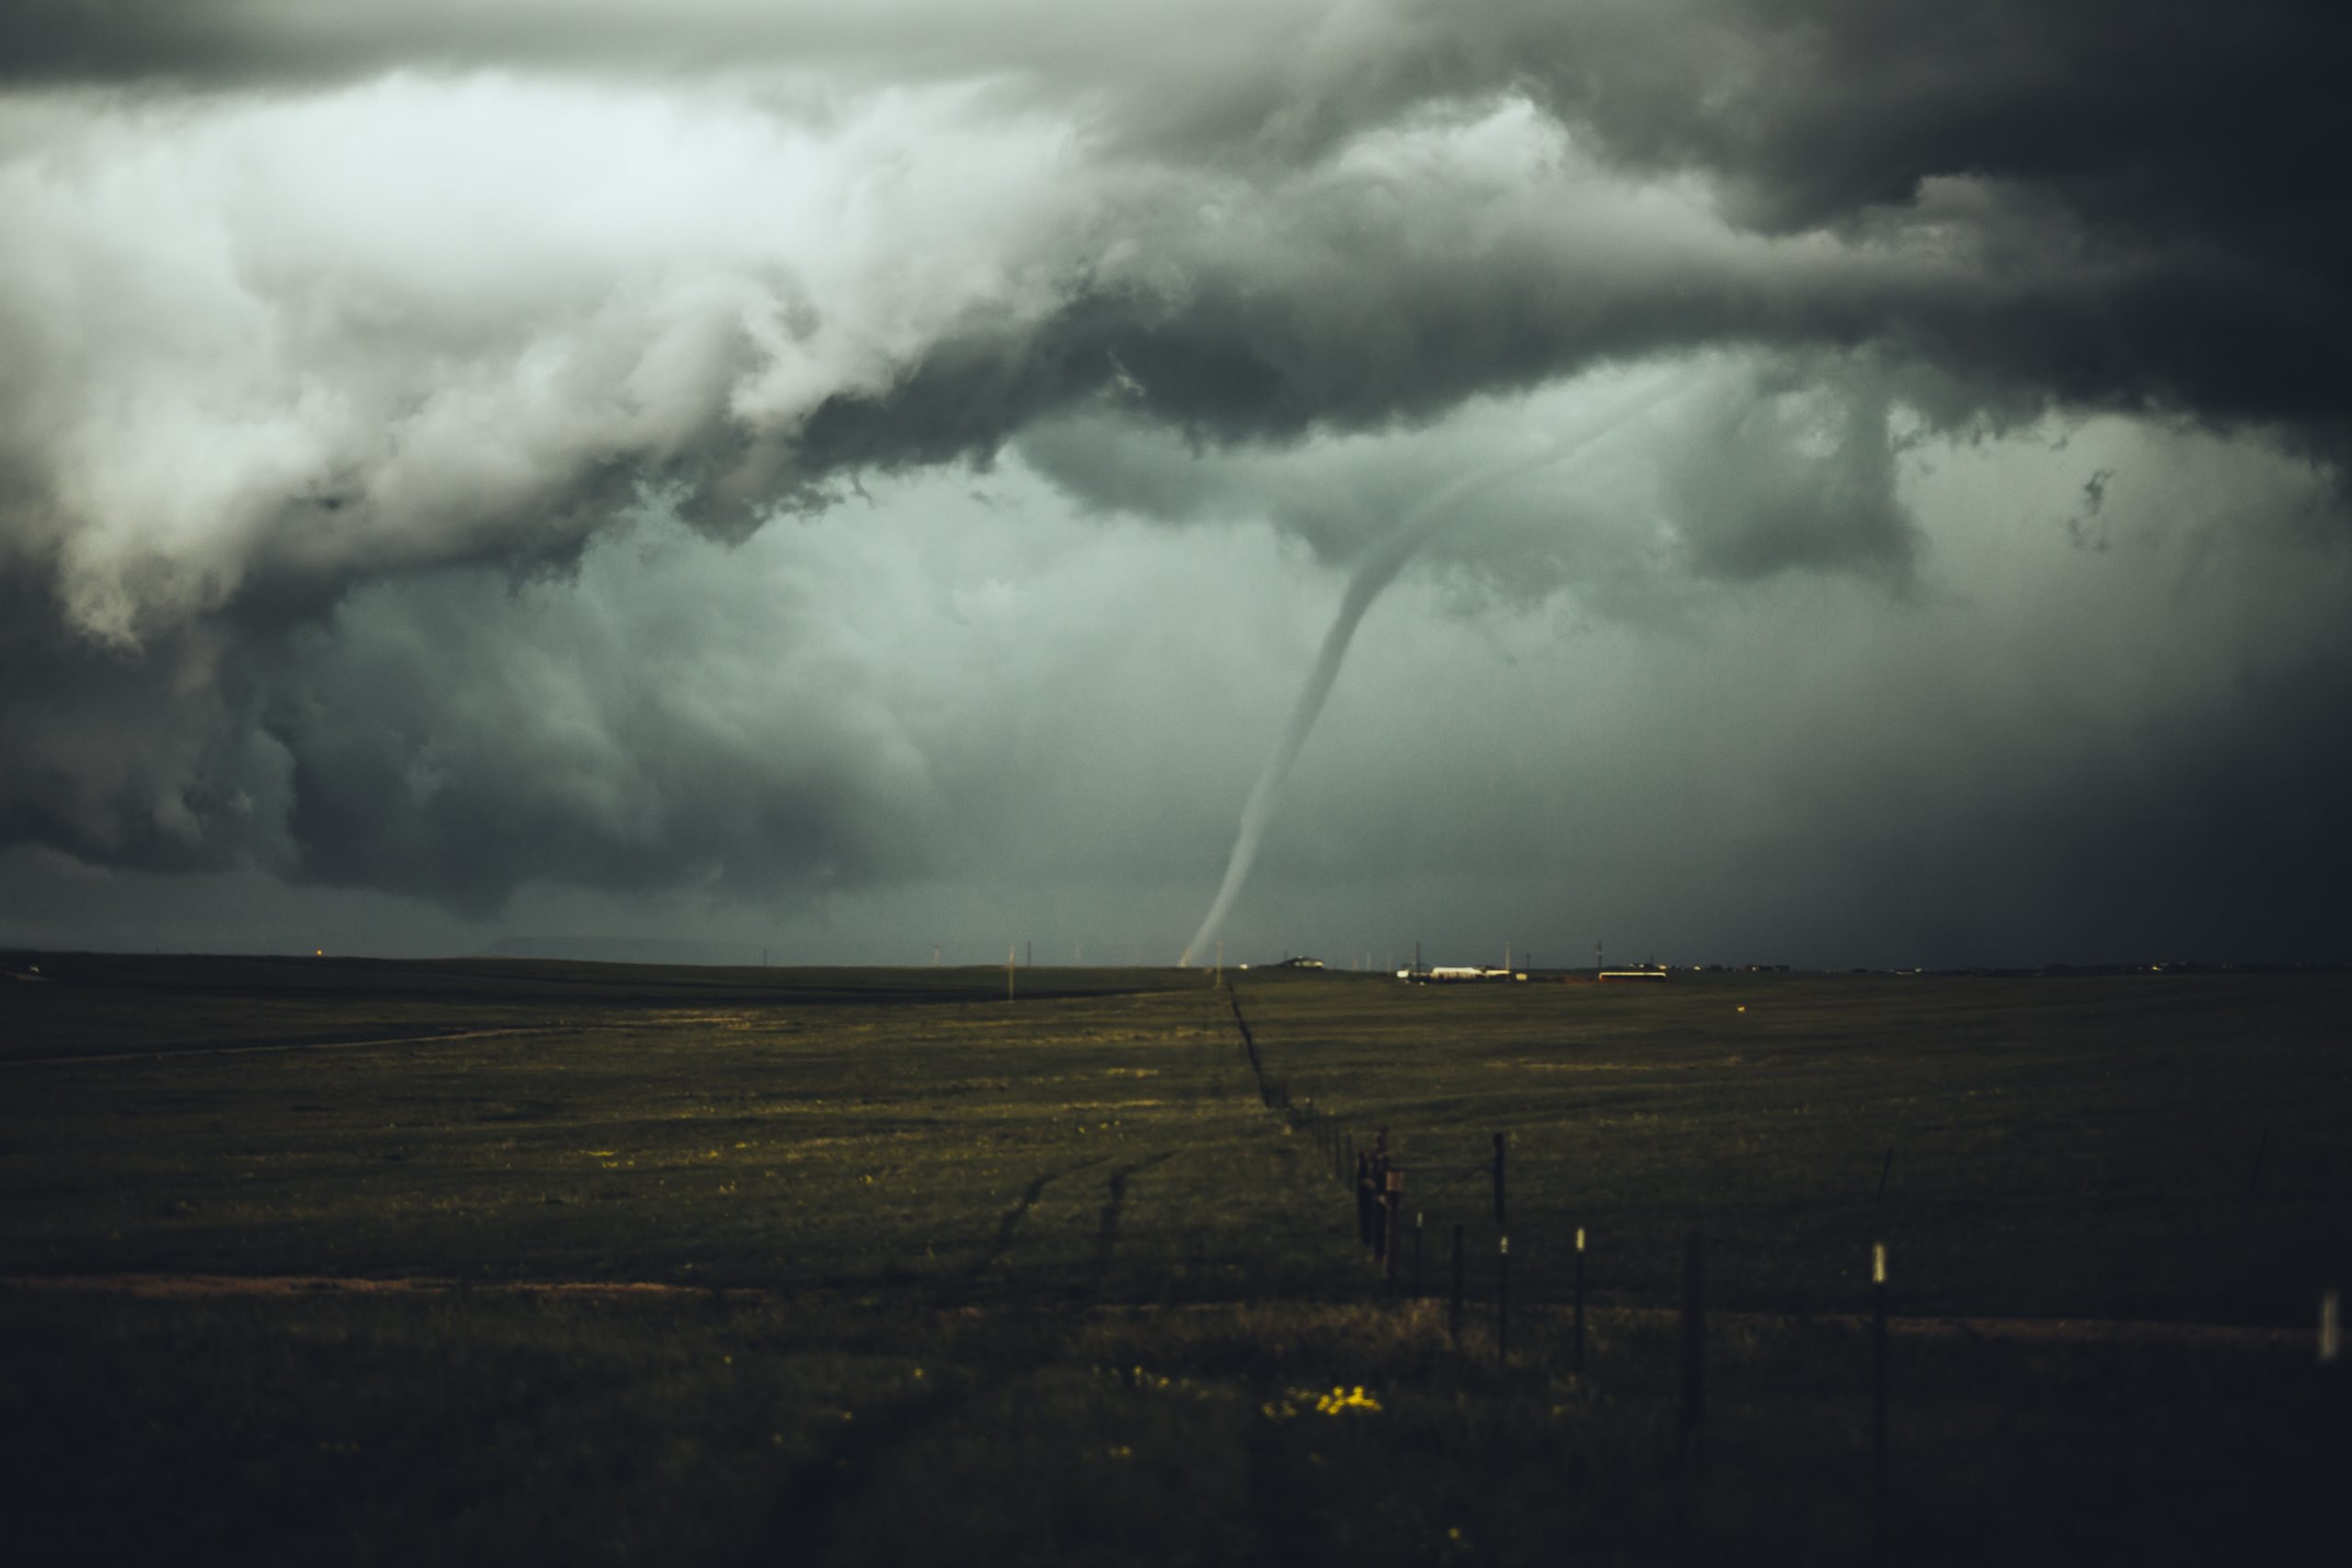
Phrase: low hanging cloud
(312, 308)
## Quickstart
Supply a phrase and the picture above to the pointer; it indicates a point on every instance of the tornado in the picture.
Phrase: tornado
(1373, 574)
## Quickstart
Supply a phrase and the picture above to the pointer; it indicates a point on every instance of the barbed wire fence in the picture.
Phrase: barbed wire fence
(1386, 1188)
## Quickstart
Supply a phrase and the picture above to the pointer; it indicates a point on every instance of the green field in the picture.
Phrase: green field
(326, 1260)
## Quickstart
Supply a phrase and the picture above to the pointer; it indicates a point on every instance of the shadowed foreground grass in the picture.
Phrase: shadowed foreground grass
(943, 1279)
(504, 1427)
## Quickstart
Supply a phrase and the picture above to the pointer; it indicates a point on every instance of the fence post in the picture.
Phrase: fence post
(1363, 1197)
(1417, 1254)
(1454, 1319)
(1878, 1404)
(1576, 1361)
(1393, 1224)
(2331, 1399)
(1502, 1300)
(1498, 1182)
(1694, 1340)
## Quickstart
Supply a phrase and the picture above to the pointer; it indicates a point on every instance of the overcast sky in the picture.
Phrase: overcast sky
(1869, 477)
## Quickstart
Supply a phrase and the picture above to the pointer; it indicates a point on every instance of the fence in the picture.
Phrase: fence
(1380, 1183)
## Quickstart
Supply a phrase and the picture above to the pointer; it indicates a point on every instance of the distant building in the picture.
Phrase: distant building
(1300, 964)
(1631, 974)
(1443, 973)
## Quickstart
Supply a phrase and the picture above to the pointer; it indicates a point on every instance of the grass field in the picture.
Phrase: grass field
(520, 1261)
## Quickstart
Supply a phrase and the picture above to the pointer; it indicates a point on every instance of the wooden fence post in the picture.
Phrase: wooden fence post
(1418, 1217)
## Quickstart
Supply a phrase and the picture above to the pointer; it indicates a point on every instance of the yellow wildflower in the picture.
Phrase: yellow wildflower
(1345, 1399)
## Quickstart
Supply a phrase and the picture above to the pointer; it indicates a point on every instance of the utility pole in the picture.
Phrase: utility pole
(1596, 956)
(1218, 979)
(1008, 972)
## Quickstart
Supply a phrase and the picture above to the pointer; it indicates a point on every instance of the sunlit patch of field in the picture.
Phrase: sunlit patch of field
(857, 1271)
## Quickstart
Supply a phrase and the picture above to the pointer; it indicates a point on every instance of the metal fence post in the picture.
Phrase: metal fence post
(1500, 1221)
(1502, 1300)
(1878, 1401)
(1577, 1354)
(1454, 1318)
(1391, 1223)
(2330, 1400)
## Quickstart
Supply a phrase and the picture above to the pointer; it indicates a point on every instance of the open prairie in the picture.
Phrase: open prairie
(326, 1260)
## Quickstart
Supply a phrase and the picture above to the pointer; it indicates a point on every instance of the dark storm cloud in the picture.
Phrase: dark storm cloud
(2213, 834)
(258, 389)
(2119, 194)
(136, 759)
(444, 743)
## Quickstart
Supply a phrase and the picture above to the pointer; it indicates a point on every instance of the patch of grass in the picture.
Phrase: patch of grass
(1046, 1281)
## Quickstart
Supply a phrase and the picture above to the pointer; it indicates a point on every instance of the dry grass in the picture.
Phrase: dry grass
(865, 1270)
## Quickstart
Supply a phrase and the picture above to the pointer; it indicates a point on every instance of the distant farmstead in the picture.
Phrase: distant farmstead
(1450, 974)
(1300, 964)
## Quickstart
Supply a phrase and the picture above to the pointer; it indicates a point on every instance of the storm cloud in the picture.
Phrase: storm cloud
(356, 353)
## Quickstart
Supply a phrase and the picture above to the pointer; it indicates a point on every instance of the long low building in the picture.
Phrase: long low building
(1457, 972)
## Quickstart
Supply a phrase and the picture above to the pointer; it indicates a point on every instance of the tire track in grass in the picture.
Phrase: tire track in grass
(810, 1506)
(101, 1055)
(1010, 1220)
(1106, 1234)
